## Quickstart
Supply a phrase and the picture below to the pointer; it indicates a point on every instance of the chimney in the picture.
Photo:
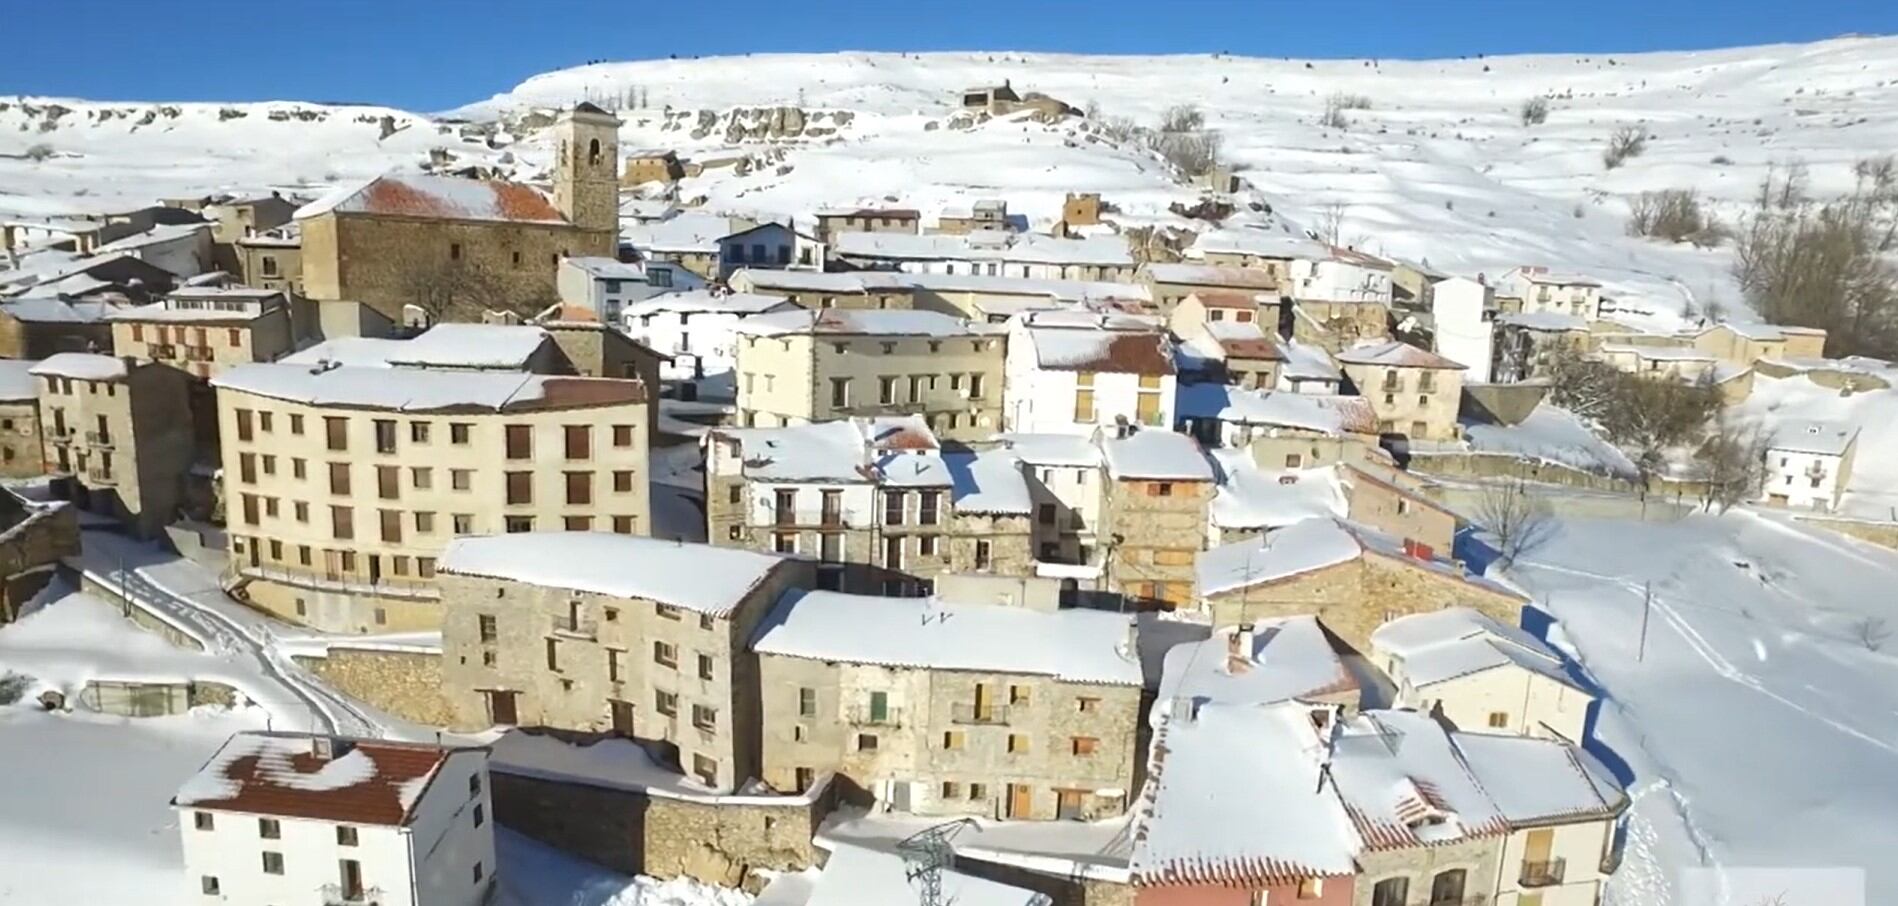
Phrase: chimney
(1131, 644)
(324, 748)
(1239, 649)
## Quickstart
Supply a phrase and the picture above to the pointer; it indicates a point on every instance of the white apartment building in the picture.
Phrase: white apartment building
(1461, 309)
(1067, 485)
(1342, 275)
(1480, 675)
(1541, 289)
(1071, 372)
(1809, 464)
(992, 253)
(605, 286)
(695, 328)
(292, 819)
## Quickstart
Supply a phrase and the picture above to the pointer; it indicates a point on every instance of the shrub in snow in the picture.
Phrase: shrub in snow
(1826, 265)
(1535, 111)
(1182, 118)
(1627, 142)
(1674, 215)
(12, 686)
(39, 152)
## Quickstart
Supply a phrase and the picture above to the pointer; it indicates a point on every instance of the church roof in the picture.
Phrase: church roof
(438, 198)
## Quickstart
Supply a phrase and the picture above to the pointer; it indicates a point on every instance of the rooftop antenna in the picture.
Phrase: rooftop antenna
(925, 854)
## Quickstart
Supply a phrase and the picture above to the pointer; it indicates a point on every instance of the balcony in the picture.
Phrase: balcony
(1543, 874)
(971, 713)
(337, 895)
(866, 716)
(795, 518)
(100, 476)
(576, 627)
(99, 438)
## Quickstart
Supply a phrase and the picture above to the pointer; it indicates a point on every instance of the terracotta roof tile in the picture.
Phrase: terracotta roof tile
(365, 782)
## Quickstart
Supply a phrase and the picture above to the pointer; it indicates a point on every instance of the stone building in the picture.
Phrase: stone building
(1080, 209)
(1338, 324)
(1526, 343)
(1067, 484)
(595, 632)
(344, 483)
(804, 366)
(1543, 290)
(272, 259)
(875, 501)
(397, 240)
(203, 331)
(652, 165)
(1393, 502)
(1172, 283)
(816, 290)
(940, 707)
(34, 539)
(1413, 392)
(120, 432)
(236, 219)
(1351, 577)
(1282, 429)
(1158, 489)
(21, 452)
(1233, 335)
(832, 221)
(1480, 675)
(1078, 372)
(38, 327)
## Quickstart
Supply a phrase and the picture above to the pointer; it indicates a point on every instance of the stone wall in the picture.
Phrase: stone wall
(720, 840)
(1357, 596)
(1061, 890)
(406, 684)
(1883, 534)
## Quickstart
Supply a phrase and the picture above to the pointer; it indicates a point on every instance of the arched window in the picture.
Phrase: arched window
(1447, 886)
(1391, 892)
(593, 151)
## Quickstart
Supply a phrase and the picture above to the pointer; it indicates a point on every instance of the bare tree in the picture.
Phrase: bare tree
(463, 291)
(1582, 385)
(1872, 632)
(1518, 519)
(1626, 142)
(1182, 118)
(1676, 216)
(1732, 461)
(1826, 265)
(1195, 153)
(1333, 117)
(1650, 416)
(1535, 111)
(1331, 223)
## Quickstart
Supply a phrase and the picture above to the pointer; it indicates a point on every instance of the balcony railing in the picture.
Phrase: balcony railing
(99, 438)
(100, 476)
(578, 627)
(971, 713)
(1543, 874)
(864, 715)
(337, 895)
(813, 518)
(317, 580)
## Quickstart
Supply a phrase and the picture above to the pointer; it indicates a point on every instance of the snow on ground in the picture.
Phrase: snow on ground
(1551, 434)
(1757, 728)
(534, 874)
(1872, 491)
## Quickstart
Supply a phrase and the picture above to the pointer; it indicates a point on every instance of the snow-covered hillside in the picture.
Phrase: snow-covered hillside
(1440, 167)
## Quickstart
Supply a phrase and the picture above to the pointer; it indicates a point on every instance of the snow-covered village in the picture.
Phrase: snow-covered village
(982, 478)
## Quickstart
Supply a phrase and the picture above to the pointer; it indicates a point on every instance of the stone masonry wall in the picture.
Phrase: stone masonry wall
(407, 684)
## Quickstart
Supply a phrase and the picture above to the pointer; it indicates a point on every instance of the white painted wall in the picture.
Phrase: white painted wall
(857, 501)
(1464, 334)
(1569, 299)
(1041, 401)
(1339, 281)
(607, 298)
(1531, 701)
(1580, 846)
(694, 340)
(1789, 473)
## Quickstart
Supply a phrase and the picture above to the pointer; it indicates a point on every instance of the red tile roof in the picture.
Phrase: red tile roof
(364, 782)
(442, 198)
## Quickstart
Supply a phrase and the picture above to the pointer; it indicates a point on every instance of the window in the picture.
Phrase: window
(952, 740)
(463, 523)
(296, 424)
(892, 507)
(579, 441)
(1083, 745)
(345, 836)
(1160, 489)
(866, 742)
(480, 815)
(1391, 892)
(1498, 719)
(385, 436)
(1311, 888)
(622, 435)
(893, 551)
(665, 654)
(886, 391)
(520, 488)
(975, 386)
(269, 829)
(208, 885)
(203, 821)
(391, 525)
(520, 441)
(553, 654)
(1147, 403)
(515, 525)
(389, 482)
(1017, 743)
(624, 525)
(488, 628)
(418, 432)
(299, 468)
(339, 478)
(951, 790)
(840, 393)
(243, 425)
(273, 863)
(1084, 396)
(704, 717)
(666, 703)
(1447, 886)
(458, 433)
(982, 554)
(806, 703)
(454, 251)
(342, 523)
(336, 432)
(667, 611)
(926, 507)
(705, 666)
(579, 488)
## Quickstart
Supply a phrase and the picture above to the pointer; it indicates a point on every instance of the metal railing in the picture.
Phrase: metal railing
(96, 475)
(582, 627)
(864, 715)
(970, 713)
(337, 895)
(806, 517)
(1544, 874)
(99, 438)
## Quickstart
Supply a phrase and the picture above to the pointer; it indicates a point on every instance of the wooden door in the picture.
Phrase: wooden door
(349, 877)
(1067, 805)
(984, 701)
(622, 717)
(501, 708)
(1021, 801)
(1537, 847)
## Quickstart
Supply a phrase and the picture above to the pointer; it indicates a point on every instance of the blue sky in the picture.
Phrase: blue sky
(428, 55)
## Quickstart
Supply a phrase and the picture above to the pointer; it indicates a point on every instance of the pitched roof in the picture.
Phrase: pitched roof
(1027, 248)
(1252, 498)
(1214, 275)
(1146, 352)
(364, 781)
(1405, 785)
(1455, 642)
(440, 198)
(1314, 545)
(897, 450)
(867, 322)
(425, 390)
(1277, 408)
(1396, 354)
(1073, 645)
(1805, 435)
(990, 481)
(1540, 781)
(702, 300)
(698, 577)
(16, 379)
(1156, 454)
(87, 366)
(1278, 660)
(857, 876)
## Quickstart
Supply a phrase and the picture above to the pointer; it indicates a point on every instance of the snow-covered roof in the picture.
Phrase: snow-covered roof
(858, 876)
(1540, 781)
(1235, 798)
(164, 232)
(422, 390)
(1030, 248)
(1396, 354)
(355, 352)
(1251, 498)
(603, 268)
(990, 481)
(1313, 545)
(1213, 275)
(437, 198)
(82, 366)
(360, 781)
(1059, 290)
(1658, 353)
(1243, 340)
(1405, 785)
(1277, 660)
(1542, 275)
(1804, 435)
(1454, 642)
(1258, 243)
(897, 450)
(1053, 449)
(471, 346)
(873, 322)
(690, 231)
(16, 379)
(1072, 645)
(48, 310)
(696, 301)
(1156, 454)
(1330, 415)
(1306, 362)
(1147, 352)
(1544, 321)
(169, 312)
(818, 281)
(698, 577)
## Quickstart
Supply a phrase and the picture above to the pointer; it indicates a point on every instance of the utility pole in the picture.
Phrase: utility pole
(1647, 607)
